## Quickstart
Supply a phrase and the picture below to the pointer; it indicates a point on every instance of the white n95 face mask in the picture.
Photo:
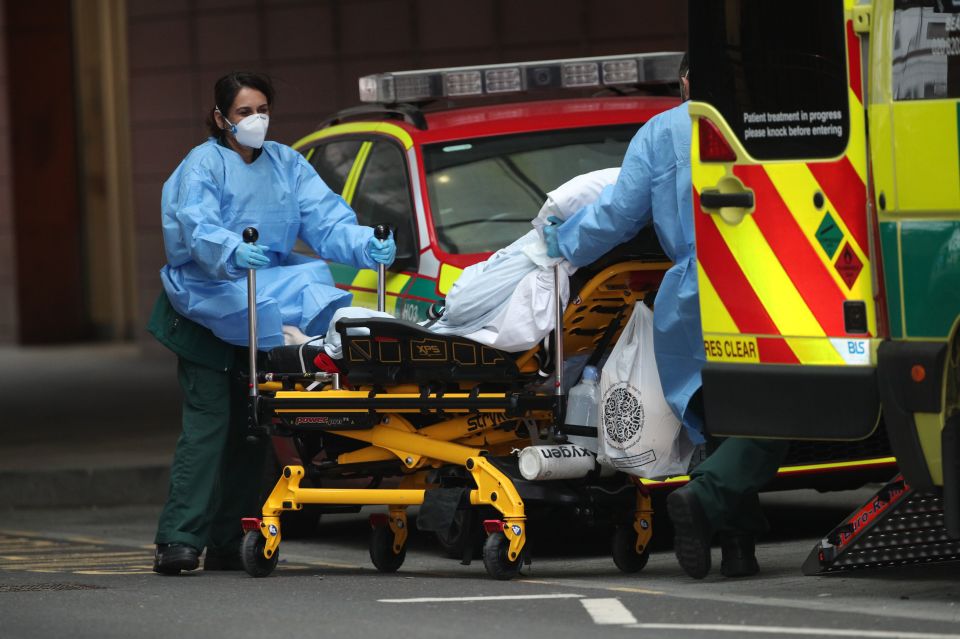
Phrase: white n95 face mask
(252, 130)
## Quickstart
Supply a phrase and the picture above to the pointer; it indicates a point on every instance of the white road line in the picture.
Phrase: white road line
(490, 598)
(783, 630)
(607, 612)
(847, 606)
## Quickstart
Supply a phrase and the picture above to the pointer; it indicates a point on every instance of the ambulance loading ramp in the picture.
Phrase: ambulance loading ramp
(896, 527)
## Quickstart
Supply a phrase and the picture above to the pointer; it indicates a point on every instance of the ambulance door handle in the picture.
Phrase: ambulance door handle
(714, 199)
(729, 198)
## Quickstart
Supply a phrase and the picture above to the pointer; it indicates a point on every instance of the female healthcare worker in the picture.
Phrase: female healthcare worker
(232, 181)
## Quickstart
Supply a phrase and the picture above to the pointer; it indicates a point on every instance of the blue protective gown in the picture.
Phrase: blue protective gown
(655, 185)
(207, 202)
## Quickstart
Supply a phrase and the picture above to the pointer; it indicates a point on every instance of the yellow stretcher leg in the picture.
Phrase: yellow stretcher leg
(398, 525)
(643, 520)
(495, 489)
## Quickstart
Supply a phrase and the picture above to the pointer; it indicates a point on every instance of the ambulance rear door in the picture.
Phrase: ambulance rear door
(780, 206)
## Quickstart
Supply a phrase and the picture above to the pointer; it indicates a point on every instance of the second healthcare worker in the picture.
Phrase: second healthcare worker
(655, 186)
(232, 181)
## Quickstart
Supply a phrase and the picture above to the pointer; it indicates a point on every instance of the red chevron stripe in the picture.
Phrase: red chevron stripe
(853, 61)
(728, 280)
(843, 186)
(774, 350)
(792, 247)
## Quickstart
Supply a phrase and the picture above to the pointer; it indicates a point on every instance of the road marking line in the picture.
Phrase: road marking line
(73, 563)
(783, 630)
(76, 539)
(325, 564)
(608, 612)
(490, 598)
(144, 571)
(851, 606)
(72, 555)
(642, 591)
(21, 561)
(81, 539)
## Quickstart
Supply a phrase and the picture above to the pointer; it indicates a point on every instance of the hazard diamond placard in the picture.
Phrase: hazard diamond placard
(848, 265)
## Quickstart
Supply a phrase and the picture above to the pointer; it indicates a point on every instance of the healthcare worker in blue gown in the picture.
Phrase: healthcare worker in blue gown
(232, 181)
(655, 187)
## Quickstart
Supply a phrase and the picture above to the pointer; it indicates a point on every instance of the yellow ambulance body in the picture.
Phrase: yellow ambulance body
(827, 208)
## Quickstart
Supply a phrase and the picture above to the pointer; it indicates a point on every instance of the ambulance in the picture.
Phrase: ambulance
(826, 182)
(458, 160)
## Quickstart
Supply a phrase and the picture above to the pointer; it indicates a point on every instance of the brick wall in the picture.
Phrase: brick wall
(316, 49)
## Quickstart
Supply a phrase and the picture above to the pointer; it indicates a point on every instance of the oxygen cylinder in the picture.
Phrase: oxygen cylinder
(567, 461)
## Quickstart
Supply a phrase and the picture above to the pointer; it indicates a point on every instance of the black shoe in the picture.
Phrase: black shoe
(692, 532)
(222, 562)
(170, 559)
(739, 557)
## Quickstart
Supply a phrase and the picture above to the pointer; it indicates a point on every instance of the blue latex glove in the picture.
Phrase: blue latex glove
(551, 236)
(250, 256)
(382, 251)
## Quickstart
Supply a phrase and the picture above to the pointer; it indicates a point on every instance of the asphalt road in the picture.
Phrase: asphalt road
(86, 573)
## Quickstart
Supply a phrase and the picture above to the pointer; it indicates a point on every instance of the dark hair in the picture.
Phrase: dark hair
(226, 89)
(684, 65)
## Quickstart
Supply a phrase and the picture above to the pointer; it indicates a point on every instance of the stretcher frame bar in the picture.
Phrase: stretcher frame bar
(407, 403)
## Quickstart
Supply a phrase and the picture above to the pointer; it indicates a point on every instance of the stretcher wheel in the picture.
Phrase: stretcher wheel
(497, 560)
(624, 550)
(251, 554)
(381, 550)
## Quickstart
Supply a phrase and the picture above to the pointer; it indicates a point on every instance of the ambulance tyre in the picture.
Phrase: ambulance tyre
(496, 558)
(624, 550)
(381, 550)
(251, 555)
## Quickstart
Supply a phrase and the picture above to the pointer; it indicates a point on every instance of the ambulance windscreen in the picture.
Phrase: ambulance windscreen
(484, 191)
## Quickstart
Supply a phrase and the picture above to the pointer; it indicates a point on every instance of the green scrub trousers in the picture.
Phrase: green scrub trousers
(216, 473)
(728, 481)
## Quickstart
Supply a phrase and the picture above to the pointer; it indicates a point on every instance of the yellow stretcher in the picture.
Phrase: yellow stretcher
(444, 413)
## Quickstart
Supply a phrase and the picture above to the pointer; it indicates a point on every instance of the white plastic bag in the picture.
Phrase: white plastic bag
(639, 434)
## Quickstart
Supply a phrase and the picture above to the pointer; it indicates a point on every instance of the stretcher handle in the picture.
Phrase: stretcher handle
(559, 404)
(381, 232)
(558, 333)
(250, 236)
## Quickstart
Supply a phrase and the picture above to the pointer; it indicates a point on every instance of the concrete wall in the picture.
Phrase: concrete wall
(316, 49)
(8, 289)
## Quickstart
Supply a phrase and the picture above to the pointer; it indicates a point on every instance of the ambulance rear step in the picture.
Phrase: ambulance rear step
(895, 527)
